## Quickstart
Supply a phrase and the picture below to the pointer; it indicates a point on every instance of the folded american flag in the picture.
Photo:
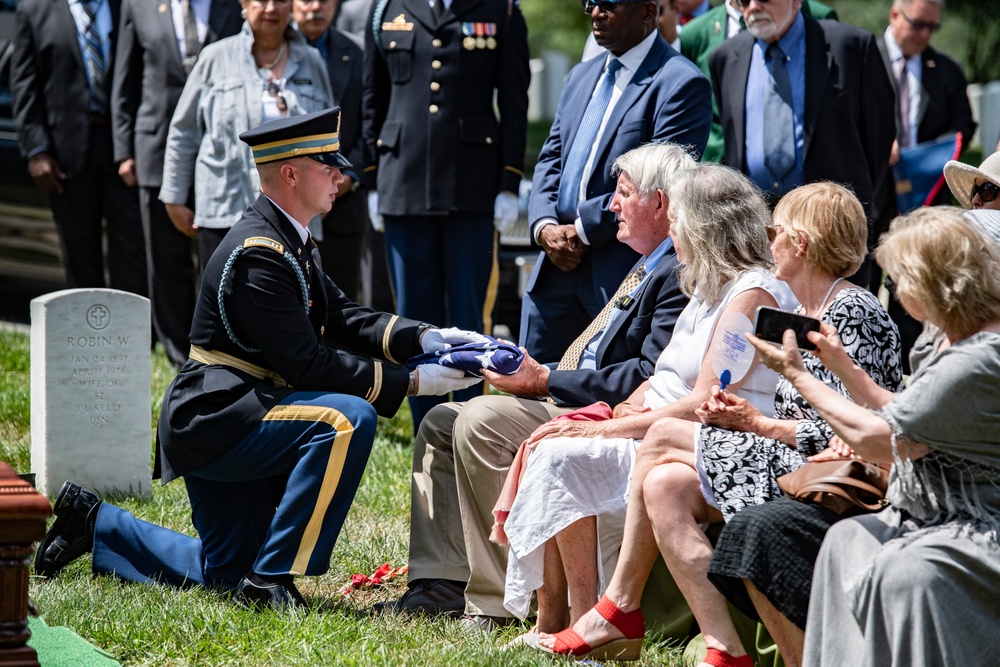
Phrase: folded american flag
(474, 357)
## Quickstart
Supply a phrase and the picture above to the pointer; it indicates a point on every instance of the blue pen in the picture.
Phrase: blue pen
(724, 379)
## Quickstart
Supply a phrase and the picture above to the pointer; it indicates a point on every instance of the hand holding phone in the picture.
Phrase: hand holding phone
(771, 324)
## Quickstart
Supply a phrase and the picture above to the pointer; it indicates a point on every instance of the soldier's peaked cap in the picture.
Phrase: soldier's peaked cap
(315, 135)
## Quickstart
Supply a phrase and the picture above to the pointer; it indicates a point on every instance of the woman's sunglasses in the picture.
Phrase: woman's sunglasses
(987, 192)
(274, 90)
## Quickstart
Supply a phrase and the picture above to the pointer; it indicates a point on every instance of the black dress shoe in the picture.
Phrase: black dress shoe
(72, 533)
(257, 593)
(429, 596)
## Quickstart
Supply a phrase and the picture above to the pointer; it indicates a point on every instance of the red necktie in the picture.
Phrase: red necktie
(684, 18)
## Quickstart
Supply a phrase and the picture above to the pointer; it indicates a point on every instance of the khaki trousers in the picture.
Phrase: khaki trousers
(461, 455)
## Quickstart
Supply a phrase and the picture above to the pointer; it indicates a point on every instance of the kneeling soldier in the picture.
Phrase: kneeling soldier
(269, 427)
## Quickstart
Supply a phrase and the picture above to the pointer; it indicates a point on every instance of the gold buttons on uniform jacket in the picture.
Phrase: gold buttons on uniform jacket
(433, 109)
(392, 45)
(489, 140)
(435, 64)
(378, 143)
(435, 86)
(322, 330)
(436, 43)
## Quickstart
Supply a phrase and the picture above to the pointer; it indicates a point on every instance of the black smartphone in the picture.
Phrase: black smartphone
(771, 324)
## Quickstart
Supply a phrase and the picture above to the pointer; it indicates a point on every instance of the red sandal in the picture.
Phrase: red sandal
(629, 647)
(717, 658)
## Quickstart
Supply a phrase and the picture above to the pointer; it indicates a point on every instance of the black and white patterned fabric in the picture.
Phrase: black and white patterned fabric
(742, 468)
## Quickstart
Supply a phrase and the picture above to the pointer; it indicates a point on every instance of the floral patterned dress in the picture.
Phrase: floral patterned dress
(741, 469)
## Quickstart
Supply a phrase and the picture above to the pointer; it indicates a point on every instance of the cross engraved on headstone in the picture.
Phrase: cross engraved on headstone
(98, 317)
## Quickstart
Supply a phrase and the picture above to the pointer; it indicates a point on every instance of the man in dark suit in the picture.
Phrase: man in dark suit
(831, 119)
(608, 362)
(270, 470)
(937, 102)
(60, 79)
(706, 32)
(931, 94)
(445, 167)
(345, 226)
(153, 60)
(654, 95)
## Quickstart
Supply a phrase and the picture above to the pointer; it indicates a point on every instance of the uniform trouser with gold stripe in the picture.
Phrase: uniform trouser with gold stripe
(274, 503)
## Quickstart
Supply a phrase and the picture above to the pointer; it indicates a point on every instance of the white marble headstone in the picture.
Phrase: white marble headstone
(90, 391)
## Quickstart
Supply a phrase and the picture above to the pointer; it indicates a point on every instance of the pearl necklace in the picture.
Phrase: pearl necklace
(265, 70)
(826, 297)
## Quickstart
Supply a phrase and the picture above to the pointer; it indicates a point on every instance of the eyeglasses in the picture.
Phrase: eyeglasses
(774, 232)
(605, 6)
(921, 25)
(743, 4)
(987, 192)
(274, 90)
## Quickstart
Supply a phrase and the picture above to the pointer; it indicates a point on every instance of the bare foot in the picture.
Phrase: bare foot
(591, 626)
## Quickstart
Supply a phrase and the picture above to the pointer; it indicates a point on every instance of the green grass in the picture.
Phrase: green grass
(146, 625)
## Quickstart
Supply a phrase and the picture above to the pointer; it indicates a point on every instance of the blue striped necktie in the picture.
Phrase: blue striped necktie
(94, 52)
(569, 186)
(779, 127)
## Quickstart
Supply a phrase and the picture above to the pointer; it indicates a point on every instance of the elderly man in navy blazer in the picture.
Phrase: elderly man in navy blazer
(463, 450)
(642, 90)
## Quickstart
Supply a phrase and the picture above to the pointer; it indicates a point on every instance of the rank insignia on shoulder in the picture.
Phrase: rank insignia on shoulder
(264, 242)
(398, 23)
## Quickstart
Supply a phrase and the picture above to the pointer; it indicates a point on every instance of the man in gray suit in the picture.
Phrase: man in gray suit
(345, 227)
(158, 45)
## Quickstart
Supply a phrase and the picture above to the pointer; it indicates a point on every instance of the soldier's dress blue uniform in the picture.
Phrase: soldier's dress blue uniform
(438, 154)
(271, 458)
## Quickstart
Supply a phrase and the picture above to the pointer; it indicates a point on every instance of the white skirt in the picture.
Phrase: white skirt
(566, 480)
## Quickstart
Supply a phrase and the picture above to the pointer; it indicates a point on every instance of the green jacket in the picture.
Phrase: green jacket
(703, 34)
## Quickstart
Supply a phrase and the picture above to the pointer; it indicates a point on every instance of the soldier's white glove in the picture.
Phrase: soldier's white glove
(378, 224)
(435, 380)
(505, 211)
(436, 340)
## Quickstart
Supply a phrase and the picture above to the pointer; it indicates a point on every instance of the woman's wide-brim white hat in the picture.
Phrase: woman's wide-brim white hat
(961, 177)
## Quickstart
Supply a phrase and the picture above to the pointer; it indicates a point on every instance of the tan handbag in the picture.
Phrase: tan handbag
(838, 485)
